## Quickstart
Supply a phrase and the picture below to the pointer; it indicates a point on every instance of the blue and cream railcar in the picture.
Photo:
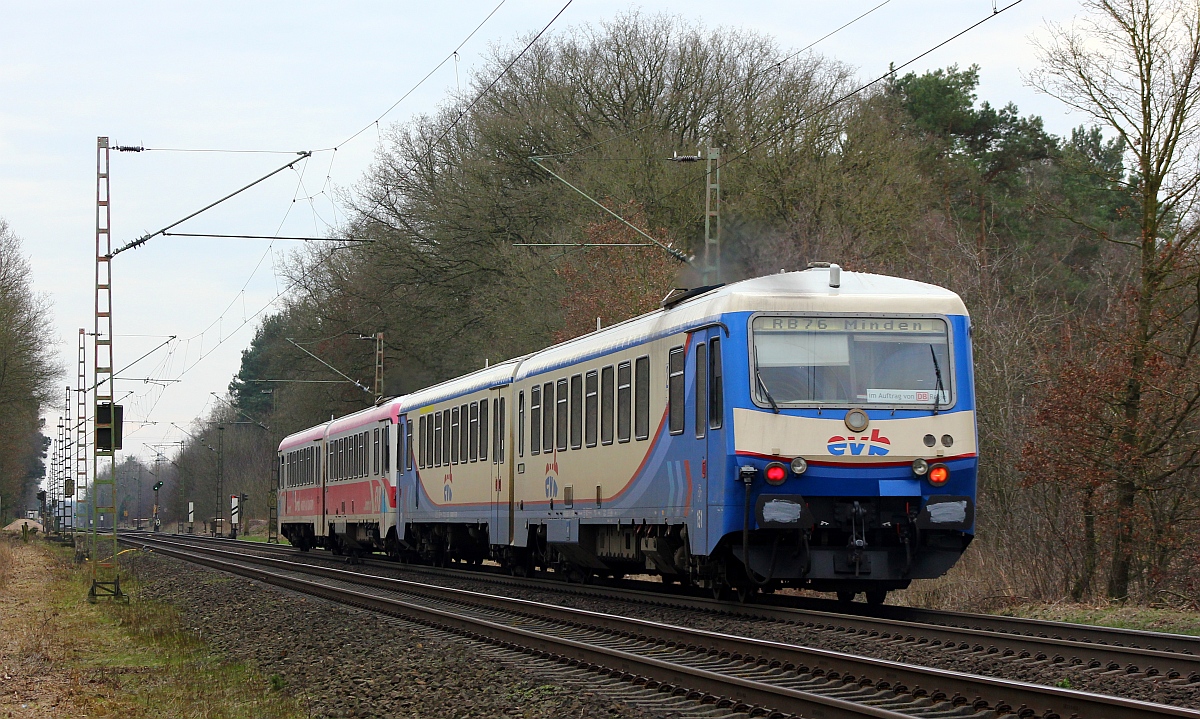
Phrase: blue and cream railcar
(810, 429)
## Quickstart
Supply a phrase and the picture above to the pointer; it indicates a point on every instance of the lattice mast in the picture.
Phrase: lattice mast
(81, 455)
(68, 467)
(54, 483)
(106, 580)
(712, 217)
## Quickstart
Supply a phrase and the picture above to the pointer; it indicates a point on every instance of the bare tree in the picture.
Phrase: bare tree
(27, 369)
(1131, 64)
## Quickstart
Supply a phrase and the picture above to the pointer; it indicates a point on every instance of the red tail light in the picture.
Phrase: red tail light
(776, 473)
(938, 474)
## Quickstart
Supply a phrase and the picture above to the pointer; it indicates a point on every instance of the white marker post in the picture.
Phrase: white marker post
(234, 516)
(191, 517)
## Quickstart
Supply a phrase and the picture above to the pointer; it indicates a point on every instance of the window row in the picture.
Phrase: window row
(300, 467)
(364, 454)
(596, 407)
(460, 435)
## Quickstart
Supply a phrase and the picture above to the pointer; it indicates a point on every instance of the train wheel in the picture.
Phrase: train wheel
(719, 590)
(745, 593)
(876, 597)
(845, 596)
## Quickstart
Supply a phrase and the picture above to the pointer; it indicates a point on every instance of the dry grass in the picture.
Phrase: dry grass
(6, 559)
(71, 658)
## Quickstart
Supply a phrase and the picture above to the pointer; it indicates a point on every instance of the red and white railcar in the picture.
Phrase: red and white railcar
(335, 489)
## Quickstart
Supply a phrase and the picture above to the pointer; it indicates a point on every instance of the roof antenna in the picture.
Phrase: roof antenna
(835, 276)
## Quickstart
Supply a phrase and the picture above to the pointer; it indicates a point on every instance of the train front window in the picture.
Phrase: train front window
(891, 361)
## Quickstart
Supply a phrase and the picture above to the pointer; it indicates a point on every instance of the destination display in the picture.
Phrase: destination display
(850, 324)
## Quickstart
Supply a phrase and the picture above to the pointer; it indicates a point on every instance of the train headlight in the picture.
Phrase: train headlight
(799, 466)
(776, 473)
(938, 474)
(920, 467)
(857, 420)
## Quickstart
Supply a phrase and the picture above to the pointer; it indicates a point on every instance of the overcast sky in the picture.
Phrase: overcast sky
(291, 76)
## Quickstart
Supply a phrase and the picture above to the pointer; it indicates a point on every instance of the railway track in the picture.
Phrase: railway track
(748, 674)
(1152, 655)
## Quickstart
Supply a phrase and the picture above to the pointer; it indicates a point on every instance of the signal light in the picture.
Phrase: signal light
(776, 473)
(799, 466)
(920, 467)
(938, 474)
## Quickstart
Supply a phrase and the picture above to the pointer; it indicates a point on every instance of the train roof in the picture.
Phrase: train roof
(303, 437)
(370, 415)
(805, 291)
(495, 375)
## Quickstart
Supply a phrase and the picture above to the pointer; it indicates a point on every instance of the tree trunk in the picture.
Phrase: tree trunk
(1083, 584)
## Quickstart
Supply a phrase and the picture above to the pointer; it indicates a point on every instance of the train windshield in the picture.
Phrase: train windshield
(890, 361)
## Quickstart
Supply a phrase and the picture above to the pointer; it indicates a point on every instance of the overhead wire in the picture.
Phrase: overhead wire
(420, 82)
(892, 70)
(222, 336)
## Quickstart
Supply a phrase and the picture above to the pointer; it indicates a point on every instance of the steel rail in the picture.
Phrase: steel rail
(752, 693)
(981, 692)
(1166, 655)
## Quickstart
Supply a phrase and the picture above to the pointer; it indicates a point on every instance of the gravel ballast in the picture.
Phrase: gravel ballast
(344, 662)
(1158, 689)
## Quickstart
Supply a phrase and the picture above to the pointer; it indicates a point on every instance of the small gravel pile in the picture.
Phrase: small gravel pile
(344, 662)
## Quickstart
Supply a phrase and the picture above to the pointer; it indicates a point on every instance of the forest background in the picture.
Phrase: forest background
(1075, 256)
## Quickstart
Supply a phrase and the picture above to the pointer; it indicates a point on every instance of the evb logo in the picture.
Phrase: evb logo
(875, 445)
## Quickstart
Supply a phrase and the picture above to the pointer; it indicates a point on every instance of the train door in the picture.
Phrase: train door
(401, 454)
(709, 419)
(501, 468)
(323, 523)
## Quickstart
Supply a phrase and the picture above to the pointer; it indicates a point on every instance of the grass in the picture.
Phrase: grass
(1113, 615)
(6, 562)
(123, 659)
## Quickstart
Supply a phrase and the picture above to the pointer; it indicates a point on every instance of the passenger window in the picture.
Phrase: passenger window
(548, 417)
(473, 448)
(495, 431)
(445, 437)
(483, 430)
(675, 399)
(500, 433)
(387, 447)
(408, 455)
(624, 400)
(641, 424)
(464, 437)
(375, 452)
(364, 459)
(716, 410)
(535, 420)
(562, 415)
(577, 412)
(592, 407)
(437, 439)
(455, 421)
(520, 424)
(429, 441)
(607, 399)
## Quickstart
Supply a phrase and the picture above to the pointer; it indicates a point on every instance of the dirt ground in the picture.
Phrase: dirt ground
(63, 657)
(31, 684)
